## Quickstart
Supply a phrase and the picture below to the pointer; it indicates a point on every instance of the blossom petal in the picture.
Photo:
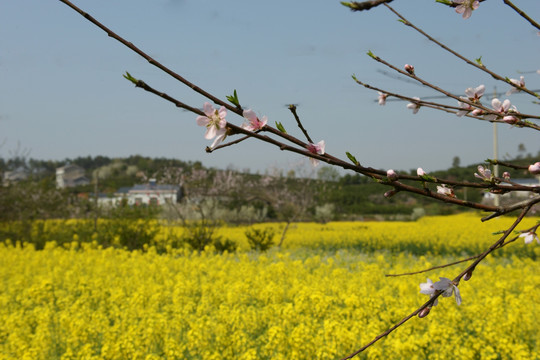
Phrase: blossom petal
(208, 109)
(202, 120)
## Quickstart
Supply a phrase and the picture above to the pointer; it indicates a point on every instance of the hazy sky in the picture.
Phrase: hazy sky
(62, 93)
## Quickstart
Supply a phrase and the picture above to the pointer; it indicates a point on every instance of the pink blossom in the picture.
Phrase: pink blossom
(254, 123)
(535, 168)
(214, 120)
(502, 108)
(316, 149)
(448, 287)
(464, 107)
(445, 285)
(220, 136)
(409, 68)
(528, 237)
(420, 172)
(443, 190)
(466, 7)
(427, 288)
(506, 175)
(520, 83)
(414, 106)
(474, 94)
(485, 173)
(382, 98)
(392, 175)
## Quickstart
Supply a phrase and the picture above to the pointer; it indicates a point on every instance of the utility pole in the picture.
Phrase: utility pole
(96, 189)
(496, 200)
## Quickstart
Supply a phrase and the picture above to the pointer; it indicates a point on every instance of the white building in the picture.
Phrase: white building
(147, 194)
(70, 175)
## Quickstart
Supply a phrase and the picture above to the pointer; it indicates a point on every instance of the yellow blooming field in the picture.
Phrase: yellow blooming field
(321, 296)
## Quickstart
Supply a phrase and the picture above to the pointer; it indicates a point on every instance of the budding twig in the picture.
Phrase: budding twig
(292, 108)
(480, 67)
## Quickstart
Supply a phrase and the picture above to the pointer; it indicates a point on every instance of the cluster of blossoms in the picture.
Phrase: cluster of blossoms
(504, 109)
(446, 286)
(216, 125)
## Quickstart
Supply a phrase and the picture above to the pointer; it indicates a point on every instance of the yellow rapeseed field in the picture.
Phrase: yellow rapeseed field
(321, 296)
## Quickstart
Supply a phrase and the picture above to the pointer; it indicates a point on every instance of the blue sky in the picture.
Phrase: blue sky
(62, 93)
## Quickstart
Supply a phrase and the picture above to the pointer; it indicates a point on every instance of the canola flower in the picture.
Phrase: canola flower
(306, 301)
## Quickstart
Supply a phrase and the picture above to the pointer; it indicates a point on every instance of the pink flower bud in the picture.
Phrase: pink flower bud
(409, 69)
(510, 119)
(420, 172)
(535, 168)
(390, 193)
(477, 112)
(506, 175)
(424, 312)
(392, 175)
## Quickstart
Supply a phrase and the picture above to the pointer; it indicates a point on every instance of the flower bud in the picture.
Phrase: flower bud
(535, 168)
(420, 172)
(424, 312)
(510, 119)
(392, 175)
(409, 69)
(477, 112)
(390, 193)
(506, 175)
(467, 275)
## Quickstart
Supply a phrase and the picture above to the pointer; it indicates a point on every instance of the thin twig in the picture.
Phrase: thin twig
(292, 108)
(455, 262)
(522, 14)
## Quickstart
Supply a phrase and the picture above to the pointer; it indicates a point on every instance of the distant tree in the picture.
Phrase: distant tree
(456, 162)
(328, 173)
(521, 150)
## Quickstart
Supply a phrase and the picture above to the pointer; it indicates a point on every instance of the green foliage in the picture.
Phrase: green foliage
(260, 239)
(234, 99)
(199, 235)
(130, 227)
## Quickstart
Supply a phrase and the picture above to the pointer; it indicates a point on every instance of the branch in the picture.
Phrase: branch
(480, 67)
(486, 110)
(524, 15)
(456, 280)
(151, 60)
